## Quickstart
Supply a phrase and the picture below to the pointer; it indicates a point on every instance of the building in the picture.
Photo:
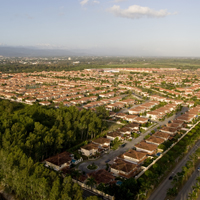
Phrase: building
(90, 149)
(103, 143)
(59, 161)
(145, 147)
(135, 157)
(123, 168)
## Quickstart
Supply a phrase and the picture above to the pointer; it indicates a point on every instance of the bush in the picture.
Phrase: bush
(92, 166)
(147, 136)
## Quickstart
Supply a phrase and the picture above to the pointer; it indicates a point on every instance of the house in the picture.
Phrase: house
(162, 135)
(169, 130)
(134, 111)
(154, 115)
(30, 101)
(140, 120)
(114, 135)
(90, 149)
(154, 140)
(135, 157)
(133, 126)
(186, 117)
(125, 131)
(119, 105)
(103, 143)
(124, 168)
(102, 176)
(145, 147)
(44, 103)
(128, 101)
(110, 107)
(179, 122)
(130, 118)
(59, 161)
(173, 125)
(112, 114)
(121, 115)
(115, 99)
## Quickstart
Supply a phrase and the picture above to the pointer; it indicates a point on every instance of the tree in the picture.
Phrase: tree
(77, 192)
(92, 198)
(76, 174)
(101, 187)
(192, 195)
(91, 182)
(172, 191)
(140, 195)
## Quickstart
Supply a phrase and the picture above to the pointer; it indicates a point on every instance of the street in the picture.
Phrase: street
(187, 188)
(129, 144)
(161, 191)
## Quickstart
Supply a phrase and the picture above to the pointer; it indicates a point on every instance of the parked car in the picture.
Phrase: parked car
(107, 161)
(171, 177)
(123, 145)
(198, 169)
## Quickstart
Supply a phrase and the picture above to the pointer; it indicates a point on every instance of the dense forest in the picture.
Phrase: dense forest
(28, 135)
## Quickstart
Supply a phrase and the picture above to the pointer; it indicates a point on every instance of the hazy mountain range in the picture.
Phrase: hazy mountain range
(11, 51)
(36, 52)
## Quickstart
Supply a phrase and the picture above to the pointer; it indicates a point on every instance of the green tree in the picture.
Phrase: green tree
(91, 182)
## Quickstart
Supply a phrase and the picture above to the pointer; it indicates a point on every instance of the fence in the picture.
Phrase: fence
(83, 185)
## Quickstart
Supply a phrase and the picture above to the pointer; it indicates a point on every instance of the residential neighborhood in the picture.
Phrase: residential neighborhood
(145, 117)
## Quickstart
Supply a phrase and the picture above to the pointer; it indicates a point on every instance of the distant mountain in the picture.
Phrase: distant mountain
(34, 52)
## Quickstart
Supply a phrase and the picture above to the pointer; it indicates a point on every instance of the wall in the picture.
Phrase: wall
(83, 185)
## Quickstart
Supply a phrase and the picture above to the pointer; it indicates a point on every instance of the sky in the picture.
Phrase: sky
(117, 27)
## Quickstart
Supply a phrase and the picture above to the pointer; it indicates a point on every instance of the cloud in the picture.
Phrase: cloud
(96, 2)
(136, 12)
(117, 1)
(61, 11)
(28, 16)
(84, 2)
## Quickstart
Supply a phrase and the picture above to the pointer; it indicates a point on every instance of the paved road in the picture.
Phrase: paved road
(137, 96)
(162, 93)
(113, 154)
(161, 191)
(187, 188)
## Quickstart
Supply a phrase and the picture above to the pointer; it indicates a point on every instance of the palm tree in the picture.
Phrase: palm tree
(141, 195)
(101, 187)
(172, 191)
(175, 180)
(192, 195)
(196, 189)
(146, 185)
(91, 182)
(75, 174)
(198, 179)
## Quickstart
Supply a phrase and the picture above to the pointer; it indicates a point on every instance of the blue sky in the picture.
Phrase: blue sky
(123, 27)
